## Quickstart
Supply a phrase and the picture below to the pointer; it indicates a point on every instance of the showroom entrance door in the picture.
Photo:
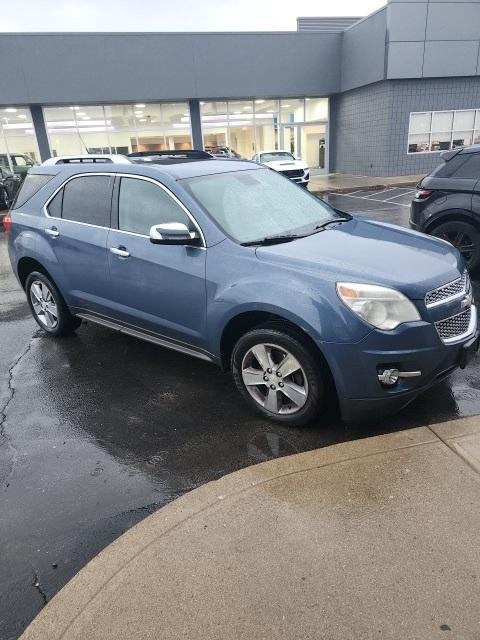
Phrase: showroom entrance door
(308, 142)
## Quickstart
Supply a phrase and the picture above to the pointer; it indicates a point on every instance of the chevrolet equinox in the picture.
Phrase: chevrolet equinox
(231, 262)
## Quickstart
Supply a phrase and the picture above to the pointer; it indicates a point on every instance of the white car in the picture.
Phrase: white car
(285, 163)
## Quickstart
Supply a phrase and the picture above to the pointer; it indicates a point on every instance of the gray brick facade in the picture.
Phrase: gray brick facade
(369, 125)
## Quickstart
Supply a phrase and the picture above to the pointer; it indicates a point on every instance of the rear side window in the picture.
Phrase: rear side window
(55, 206)
(87, 199)
(470, 168)
(30, 186)
(463, 165)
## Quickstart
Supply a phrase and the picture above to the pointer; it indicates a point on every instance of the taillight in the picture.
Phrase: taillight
(422, 194)
(7, 224)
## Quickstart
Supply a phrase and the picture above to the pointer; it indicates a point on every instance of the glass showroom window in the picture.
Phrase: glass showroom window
(242, 134)
(266, 125)
(214, 116)
(432, 131)
(120, 128)
(18, 144)
(246, 127)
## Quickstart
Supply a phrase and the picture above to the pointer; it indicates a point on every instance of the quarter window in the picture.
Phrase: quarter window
(142, 204)
(87, 199)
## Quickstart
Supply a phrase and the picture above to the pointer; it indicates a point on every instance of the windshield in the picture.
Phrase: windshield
(257, 203)
(276, 156)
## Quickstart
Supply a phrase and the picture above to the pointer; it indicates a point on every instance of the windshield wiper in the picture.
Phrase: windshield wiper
(271, 240)
(345, 218)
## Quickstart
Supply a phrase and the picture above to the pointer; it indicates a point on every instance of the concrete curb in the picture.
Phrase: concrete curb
(67, 606)
(376, 187)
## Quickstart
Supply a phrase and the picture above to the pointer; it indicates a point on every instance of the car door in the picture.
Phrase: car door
(158, 288)
(76, 226)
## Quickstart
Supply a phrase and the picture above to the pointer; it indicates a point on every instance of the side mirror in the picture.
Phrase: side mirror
(173, 233)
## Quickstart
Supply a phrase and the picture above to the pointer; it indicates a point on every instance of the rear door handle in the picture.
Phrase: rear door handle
(120, 251)
(53, 232)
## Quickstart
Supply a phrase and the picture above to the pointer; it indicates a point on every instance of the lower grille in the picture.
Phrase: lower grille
(455, 326)
(293, 173)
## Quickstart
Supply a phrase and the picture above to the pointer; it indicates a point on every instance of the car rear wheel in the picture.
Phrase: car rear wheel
(48, 307)
(277, 375)
(464, 237)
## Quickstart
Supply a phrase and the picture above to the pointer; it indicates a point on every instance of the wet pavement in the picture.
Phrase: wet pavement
(101, 429)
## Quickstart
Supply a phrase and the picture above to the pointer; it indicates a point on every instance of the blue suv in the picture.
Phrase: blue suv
(231, 262)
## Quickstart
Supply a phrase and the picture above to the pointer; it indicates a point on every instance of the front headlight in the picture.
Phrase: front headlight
(381, 307)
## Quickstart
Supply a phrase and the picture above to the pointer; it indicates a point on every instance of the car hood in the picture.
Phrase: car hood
(285, 165)
(372, 252)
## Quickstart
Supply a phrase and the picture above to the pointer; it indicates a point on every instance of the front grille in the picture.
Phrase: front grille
(455, 326)
(445, 292)
(293, 173)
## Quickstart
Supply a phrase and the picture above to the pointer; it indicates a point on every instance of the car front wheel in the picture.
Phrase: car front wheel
(464, 237)
(277, 374)
(48, 307)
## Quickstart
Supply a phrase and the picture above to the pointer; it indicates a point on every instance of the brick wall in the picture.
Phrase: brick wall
(369, 125)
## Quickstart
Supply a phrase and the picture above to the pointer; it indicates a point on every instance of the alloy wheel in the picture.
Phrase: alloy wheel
(462, 241)
(44, 304)
(274, 378)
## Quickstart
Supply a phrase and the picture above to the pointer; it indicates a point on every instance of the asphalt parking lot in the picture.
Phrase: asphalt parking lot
(100, 429)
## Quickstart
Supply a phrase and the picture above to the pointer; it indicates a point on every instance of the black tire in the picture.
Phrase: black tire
(65, 323)
(464, 237)
(285, 339)
(4, 200)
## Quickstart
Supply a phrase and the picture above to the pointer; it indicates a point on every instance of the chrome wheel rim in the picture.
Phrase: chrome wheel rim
(44, 304)
(275, 379)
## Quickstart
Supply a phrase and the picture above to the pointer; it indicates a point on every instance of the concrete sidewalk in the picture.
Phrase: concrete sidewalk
(377, 538)
(344, 182)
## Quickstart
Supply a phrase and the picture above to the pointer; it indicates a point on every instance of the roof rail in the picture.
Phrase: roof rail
(175, 153)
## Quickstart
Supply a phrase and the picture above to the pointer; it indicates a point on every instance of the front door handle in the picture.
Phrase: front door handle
(120, 251)
(52, 232)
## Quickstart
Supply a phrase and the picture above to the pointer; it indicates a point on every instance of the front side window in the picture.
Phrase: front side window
(142, 205)
(258, 203)
(87, 199)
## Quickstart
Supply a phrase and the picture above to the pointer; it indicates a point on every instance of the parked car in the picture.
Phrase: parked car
(9, 185)
(227, 261)
(20, 163)
(447, 203)
(285, 163)
(223, 152)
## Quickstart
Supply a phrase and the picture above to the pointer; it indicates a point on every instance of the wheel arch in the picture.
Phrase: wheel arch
(245, 321)
(26, 266)
(451, 215)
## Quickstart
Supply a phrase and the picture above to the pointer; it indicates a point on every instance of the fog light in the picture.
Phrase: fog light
(389, 377)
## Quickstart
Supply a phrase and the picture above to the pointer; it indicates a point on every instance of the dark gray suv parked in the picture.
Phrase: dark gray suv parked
(447, 203)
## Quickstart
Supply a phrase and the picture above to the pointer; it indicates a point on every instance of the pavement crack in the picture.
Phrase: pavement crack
(36, 584)
(9, 399)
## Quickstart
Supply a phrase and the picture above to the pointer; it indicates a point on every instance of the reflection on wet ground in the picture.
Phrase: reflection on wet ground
(102, 429)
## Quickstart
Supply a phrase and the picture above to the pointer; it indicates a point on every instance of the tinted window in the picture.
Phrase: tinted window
(470, 168)
(55, 206)
(87, 199)
(142, 205)
(32, 183)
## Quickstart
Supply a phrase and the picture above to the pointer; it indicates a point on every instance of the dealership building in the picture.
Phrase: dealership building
(379, 95)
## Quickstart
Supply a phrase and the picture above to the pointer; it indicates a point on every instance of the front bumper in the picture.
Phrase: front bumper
(410, 348)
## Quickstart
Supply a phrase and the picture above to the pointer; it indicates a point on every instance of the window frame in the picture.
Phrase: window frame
(431, 133)
(64, 183)
(115, 193)
(114, 222)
